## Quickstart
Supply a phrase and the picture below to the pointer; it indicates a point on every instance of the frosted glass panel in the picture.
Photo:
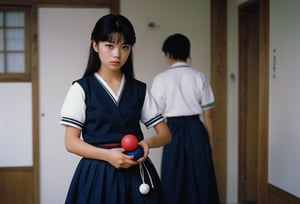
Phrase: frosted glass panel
(15, 63)
(15, 125)
(14, 19)
(15, 39)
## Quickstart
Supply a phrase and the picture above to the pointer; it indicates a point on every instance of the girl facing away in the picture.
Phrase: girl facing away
(184, 93)
(99, 109)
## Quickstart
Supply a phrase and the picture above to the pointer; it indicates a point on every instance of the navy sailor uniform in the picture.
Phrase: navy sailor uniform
(187, 172)
(103, 119)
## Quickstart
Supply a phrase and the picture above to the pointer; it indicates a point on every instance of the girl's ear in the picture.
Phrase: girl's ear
(95, 46)
(169, 56)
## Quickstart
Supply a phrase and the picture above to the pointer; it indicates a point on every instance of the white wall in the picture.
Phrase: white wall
(191, 17)
(232, 101)
(284, 126)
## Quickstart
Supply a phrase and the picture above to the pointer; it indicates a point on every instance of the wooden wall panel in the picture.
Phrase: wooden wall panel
(16, 185)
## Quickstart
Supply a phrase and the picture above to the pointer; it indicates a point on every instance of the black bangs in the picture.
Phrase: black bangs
(114, 28)
(117, 38)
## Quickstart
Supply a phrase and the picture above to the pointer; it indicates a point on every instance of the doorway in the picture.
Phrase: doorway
(248, 101)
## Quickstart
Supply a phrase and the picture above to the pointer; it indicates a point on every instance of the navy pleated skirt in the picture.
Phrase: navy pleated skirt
(187, 171)
(98, 182)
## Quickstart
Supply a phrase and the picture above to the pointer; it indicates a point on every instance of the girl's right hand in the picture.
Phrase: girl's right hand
(118, 159)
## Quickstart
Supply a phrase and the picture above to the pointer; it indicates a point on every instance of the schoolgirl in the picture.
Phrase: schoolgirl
(99, 109)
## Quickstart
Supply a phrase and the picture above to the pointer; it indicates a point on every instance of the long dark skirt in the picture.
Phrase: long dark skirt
(187, 171)
(98, 182)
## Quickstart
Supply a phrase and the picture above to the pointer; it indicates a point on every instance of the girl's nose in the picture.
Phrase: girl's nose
(116, 52)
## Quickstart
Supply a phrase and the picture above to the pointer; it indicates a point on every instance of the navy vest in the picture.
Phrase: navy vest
(106, 121)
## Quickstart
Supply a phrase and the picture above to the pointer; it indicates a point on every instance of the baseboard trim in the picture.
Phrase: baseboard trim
(279, 196)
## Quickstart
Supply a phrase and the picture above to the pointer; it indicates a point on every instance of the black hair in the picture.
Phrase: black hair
(178, 46)
(104, 29)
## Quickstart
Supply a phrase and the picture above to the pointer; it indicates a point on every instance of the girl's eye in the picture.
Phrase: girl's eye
(109, 45)
(126, 47)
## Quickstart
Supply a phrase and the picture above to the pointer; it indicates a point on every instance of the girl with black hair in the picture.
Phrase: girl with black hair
(99, 109)
(184, 94)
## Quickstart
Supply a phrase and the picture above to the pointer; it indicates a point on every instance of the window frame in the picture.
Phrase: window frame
(26, 75)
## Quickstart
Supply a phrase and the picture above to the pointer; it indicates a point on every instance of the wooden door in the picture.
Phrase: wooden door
(63, 55)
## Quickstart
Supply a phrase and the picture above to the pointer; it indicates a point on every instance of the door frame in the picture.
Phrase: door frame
(247, 101)
(219, 85)
(263, 100)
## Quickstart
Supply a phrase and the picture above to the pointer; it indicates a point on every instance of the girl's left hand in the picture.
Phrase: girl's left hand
(145, 147)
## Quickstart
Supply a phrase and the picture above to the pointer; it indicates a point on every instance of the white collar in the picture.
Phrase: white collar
(179, 64)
